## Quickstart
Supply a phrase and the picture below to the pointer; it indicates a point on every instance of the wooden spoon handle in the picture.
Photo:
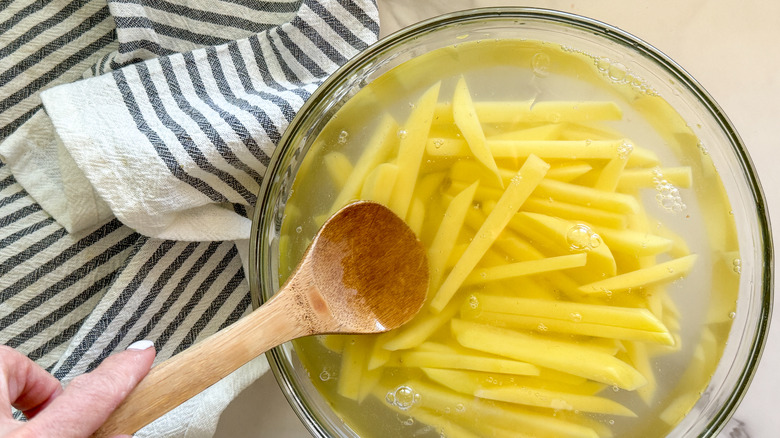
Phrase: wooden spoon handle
(186, 374)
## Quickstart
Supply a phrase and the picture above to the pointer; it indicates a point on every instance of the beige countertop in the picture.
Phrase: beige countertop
(730, 47)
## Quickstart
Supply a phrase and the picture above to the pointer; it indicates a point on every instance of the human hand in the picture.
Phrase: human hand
(73, 412)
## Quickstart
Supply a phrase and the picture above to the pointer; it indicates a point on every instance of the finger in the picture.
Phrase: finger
(90, 398)
(24, 385)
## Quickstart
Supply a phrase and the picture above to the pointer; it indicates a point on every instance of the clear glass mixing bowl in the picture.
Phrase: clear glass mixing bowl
(621, 53)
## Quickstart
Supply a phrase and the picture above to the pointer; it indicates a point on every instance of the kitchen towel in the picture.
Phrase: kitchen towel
(135, 135)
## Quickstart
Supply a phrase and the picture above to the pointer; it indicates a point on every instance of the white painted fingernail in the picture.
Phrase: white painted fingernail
(140, 345)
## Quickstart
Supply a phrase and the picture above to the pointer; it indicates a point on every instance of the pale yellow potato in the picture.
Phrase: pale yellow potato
(416, 216)
(379, 183)
(565, 237)
(424, 414)
(516, 193)
(589, 131)
(484, 193)
(633, 179)
(634, 243)
(499, 432)
(549, 325)
(460, 361)
(469, 381)
(642, 157)
(420, 328)
(533, 111)
(379, 356)
(531, 267)
(574, 212)
(545, 149)
(555, 400)
(610, 175)
(353, 365)
(568, 171)
(411, 149)
(600, 314)
(334, 343)
(442, 425)
(660, 273)
(547, 131)
(505, 415)
(679, 245)
(429, 185)
(339, 167)
(591, 364)
(444, 241)
(468, 171)
(601, 428)
(466, 119)
(377, 150)
(679, 407)
(640, 359)
(587, 196)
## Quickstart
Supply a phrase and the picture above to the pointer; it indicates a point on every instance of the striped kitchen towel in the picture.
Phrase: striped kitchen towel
(134, 136)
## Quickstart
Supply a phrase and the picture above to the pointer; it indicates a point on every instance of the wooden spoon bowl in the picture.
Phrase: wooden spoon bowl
(364, 272)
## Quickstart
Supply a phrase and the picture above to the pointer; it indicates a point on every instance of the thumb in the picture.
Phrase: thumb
(90, 398)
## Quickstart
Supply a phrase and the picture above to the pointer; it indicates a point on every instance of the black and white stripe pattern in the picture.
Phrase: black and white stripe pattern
(193, 96)
(202, 123)
(44, 43)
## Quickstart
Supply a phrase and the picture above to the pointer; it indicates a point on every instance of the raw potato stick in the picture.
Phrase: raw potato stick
(555, 400)
(377, 150)
(662, 272)
(444, 241)
(521, 186)
(466, 119)
(512, 270)
(411, 149)
(626, 317)
(591, 364)
(339, 167)
(545, 149)
(532, 111)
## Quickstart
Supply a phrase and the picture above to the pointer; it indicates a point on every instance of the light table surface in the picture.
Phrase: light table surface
(731, 48)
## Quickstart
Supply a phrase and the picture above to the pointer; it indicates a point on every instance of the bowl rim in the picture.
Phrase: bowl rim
(261, 216)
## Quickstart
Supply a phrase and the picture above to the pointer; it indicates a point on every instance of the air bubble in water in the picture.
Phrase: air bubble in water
(576, 317)
(624, 150)
(298, 229)
(437, 143)
(540, 64)
(541, 327)
(403, 397)
(602, 64)
(702, 148)
(402, 133)
(324, 375)
(737, 265)
(343, 137)
(581, 237)
(668, 196)
(473, 302)
(617, 72)
(732, 315)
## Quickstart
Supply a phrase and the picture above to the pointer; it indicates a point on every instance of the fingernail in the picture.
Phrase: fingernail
(140, 345)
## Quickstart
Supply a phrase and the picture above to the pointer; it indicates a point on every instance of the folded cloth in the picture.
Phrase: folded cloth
(170, 143)
(123, 206)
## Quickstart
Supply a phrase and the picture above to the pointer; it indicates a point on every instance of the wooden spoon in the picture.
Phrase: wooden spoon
(365, 272)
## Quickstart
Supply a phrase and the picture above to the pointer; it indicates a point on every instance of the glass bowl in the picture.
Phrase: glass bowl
(699, 129)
